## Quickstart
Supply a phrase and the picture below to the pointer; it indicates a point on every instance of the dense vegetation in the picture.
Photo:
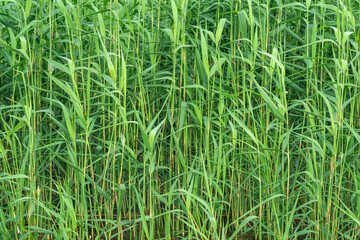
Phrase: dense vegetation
(171, 119)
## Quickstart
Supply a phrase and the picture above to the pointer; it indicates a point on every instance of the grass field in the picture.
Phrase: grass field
(179, 119)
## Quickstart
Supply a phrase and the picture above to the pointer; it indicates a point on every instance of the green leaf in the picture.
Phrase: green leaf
(219, 30)
(12, 177)
(204, 51)
(27, 8)
(216, 67)
(100, 20)
(108, 60)
(243, 126)
(68, 19)
(142, 212)
(269, 102)
(175, 19)
(242, 225)
(58, 65)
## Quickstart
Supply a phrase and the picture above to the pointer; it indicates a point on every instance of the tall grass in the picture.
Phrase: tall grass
(179, 119)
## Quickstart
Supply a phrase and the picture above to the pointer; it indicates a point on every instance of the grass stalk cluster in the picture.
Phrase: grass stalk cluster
(179, 119)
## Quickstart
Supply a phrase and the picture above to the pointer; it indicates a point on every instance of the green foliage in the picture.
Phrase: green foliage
(179, 119)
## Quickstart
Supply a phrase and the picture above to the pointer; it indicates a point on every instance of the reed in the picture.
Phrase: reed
(179, 119)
